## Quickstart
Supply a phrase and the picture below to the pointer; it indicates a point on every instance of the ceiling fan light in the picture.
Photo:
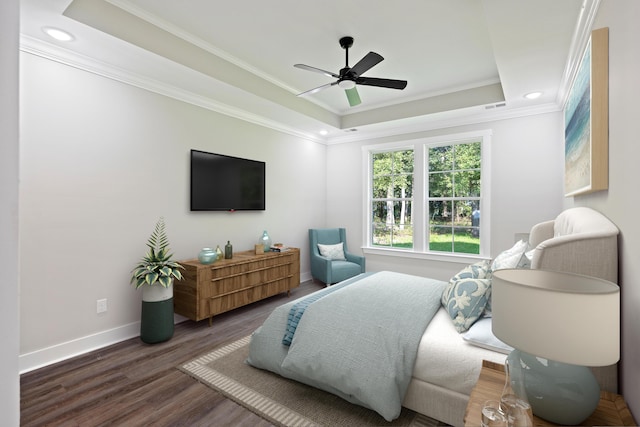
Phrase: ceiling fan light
(347, 84)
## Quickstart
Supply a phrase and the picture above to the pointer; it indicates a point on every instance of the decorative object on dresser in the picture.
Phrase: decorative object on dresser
(612, 410)
(155, 274)
(207, 290)
(265, 241)
(207, 256)
(559, 324)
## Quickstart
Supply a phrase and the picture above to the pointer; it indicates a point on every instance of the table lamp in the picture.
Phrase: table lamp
(559, 324)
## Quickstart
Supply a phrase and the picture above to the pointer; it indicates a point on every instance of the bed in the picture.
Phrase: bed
(385, 340)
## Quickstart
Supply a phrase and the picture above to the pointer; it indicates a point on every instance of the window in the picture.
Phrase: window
(425, 197)
(453, 197)
(392, 199)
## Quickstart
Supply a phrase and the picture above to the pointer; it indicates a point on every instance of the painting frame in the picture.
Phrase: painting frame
(586, 121)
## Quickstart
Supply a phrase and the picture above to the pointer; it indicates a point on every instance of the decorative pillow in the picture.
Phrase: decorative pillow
(465, 301)
(481, 335)
(511, 257)
(479, 270)
(332, 251)
(525, 261)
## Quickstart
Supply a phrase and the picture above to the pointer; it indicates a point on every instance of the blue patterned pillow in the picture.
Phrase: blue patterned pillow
(479, 270)
(465, 301)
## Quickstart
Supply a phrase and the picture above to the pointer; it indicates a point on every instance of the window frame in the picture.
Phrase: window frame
(420, 201)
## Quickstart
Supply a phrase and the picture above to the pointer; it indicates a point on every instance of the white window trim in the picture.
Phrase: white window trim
(420, 182)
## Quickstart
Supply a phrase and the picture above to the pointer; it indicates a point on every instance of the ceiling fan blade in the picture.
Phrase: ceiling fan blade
(317, 89)
(316, 70)
(353, 96)
(369, 60)
(388, 83)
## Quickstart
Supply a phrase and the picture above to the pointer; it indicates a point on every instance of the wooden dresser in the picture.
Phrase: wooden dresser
(207, 290)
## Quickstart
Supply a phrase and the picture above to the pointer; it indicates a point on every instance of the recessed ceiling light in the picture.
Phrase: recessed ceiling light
(324, 132)
(58, 34)
(533, 95)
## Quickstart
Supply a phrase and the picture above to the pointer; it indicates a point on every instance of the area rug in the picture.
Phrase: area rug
(281, 401)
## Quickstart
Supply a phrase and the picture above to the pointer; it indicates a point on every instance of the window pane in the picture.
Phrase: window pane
(440, 158)
(440, 239)
(464, 241)
(403, 186)
(403, 161)
(467, 183)
(382, 187)
(440, 184)
(440, 212)
(403, 236)
(467, 156)
(392, 224)
(462, 213)
(381, 235)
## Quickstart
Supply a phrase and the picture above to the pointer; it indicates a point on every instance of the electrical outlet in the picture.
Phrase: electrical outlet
(101, 306)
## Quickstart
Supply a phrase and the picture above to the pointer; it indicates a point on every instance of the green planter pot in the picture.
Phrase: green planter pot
(156, 323)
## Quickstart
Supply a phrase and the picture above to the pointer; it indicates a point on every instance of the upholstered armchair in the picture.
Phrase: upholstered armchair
(331, 262)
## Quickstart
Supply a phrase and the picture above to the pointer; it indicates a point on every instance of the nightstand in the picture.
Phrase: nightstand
(612, 410)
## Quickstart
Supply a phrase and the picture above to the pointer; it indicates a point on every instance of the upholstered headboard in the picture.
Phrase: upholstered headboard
(582, 241)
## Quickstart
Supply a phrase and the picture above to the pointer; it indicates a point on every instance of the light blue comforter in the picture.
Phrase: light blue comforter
(358, 342)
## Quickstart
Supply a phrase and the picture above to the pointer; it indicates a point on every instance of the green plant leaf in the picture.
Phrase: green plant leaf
(157, 264)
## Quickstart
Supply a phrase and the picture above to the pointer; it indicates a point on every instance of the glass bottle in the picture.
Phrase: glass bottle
(219, 252)
(228, 250)
(514, 402)
(265, 241)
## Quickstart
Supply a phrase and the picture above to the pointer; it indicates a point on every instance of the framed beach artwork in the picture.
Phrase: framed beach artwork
(586, 121)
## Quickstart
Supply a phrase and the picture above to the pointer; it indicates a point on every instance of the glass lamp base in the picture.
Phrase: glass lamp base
(558, 392)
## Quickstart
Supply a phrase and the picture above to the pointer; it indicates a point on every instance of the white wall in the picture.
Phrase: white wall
(526, 186)
(618, 203)
(9, 318)
(100, 162)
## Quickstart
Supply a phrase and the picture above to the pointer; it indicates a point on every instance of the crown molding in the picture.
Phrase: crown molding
(73, 59)
(579, 43)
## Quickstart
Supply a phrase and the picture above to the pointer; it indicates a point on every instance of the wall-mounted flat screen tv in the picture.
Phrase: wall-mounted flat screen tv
(226, 183)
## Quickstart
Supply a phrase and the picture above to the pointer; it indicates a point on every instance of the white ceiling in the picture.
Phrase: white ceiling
(461, 58)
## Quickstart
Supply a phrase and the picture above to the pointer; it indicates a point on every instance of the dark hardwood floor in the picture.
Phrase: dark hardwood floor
(135, 384)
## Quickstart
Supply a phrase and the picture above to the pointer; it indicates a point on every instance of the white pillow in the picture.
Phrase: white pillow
(332, 251)
(481, 335)
(511, 257)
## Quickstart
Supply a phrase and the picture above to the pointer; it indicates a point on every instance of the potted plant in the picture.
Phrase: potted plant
(155, 274)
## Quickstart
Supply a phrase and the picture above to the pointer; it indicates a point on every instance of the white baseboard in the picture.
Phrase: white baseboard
(59, 352)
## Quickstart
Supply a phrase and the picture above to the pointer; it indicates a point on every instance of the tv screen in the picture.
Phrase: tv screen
(226, 183)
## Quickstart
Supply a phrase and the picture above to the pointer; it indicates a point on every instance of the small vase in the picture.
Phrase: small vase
(207, 256)
(219, 253)
(265, 241)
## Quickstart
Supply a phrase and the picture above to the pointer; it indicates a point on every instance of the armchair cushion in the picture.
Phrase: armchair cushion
(332, 251)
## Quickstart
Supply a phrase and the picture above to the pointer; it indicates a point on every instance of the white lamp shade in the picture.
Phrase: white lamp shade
(564, 317)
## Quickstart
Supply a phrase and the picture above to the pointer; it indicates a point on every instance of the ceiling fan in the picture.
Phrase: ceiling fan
(348, 78)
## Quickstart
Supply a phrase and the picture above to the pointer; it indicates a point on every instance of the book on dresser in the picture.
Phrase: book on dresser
(208, 290)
